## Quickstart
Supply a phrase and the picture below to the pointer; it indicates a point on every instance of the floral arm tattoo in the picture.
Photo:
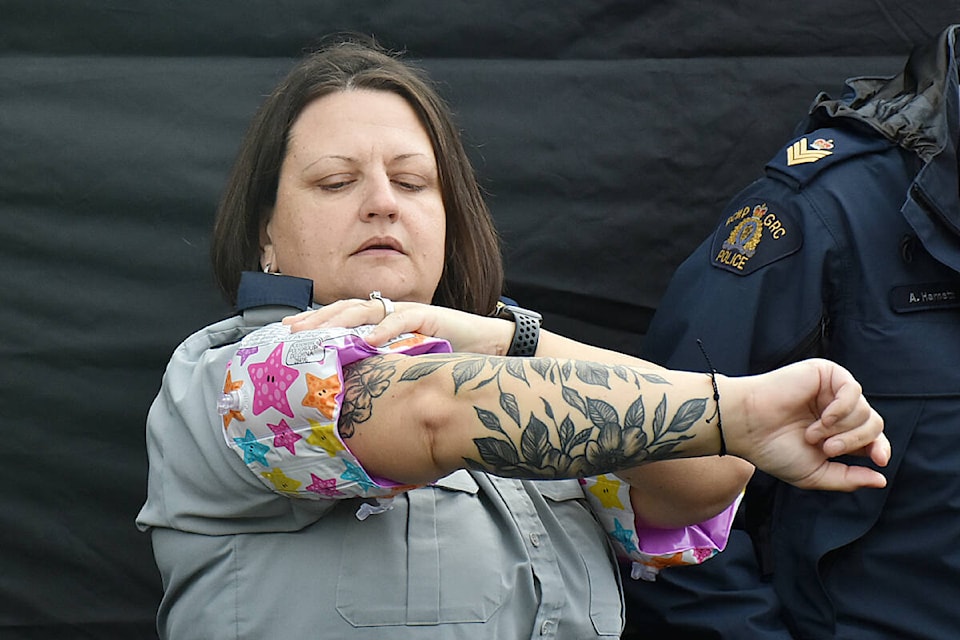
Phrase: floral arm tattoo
(543, 418)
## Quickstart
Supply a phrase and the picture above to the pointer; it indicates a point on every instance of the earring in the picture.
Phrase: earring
(266, 268)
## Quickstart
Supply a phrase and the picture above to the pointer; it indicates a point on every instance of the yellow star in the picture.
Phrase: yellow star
(281, 481)
(229, 386)
(322, 394)
(324, 437)
(606, 491)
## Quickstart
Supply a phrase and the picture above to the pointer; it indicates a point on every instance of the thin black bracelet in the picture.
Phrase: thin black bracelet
(716, 398)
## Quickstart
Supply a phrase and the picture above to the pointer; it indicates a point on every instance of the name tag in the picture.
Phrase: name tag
(925, 297)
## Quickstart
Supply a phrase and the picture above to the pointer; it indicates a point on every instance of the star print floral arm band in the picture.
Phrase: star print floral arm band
(281, 402)
(649, 549)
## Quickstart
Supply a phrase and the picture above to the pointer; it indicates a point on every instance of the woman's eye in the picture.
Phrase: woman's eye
(410, 184)
(334, 185)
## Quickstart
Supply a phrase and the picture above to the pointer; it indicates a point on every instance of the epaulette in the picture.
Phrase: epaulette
(803, 158)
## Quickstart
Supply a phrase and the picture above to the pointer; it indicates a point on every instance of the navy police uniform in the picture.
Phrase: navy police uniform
(848, 248)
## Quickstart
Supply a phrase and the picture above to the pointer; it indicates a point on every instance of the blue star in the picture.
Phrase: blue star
(253, 451)
(623, 536)
(358, 475)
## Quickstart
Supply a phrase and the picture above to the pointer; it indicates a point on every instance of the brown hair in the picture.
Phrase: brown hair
(472, 278)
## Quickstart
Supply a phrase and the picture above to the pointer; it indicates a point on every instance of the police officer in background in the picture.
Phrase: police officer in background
(849, 248)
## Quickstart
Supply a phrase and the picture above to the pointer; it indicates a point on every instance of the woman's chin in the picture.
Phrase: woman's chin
(398, 292)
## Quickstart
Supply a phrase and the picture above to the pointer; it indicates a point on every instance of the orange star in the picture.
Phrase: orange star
(229, 386)
(414, 339)
(322, 394)
(662, 562)
(403, 488)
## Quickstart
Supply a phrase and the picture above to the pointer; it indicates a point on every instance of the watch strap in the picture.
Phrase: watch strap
(526, 336)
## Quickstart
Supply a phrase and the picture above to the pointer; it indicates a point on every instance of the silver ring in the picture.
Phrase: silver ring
(386, 302)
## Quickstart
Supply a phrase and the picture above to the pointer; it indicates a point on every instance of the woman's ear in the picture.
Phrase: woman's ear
(268, 257)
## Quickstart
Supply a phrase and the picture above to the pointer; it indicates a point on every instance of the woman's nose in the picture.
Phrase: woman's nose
(380, 201)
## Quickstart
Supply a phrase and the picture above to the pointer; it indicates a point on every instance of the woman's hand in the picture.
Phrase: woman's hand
(465, 332)
(796, 418)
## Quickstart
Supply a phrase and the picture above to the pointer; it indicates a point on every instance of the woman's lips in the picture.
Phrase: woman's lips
(380, 246)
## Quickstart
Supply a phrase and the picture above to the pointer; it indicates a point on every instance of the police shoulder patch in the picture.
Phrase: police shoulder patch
(803, 158)
(755, 233)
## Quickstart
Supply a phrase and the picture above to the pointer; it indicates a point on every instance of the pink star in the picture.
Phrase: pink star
(284, 436)
(271, 379)
(703, 553)
(323, 487)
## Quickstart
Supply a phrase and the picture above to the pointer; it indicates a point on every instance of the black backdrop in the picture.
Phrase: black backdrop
(607, 133)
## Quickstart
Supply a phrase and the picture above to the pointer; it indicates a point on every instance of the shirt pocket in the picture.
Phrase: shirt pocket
(559, 490)
(395, 570)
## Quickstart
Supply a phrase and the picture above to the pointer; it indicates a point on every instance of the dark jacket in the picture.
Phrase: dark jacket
(848, 247)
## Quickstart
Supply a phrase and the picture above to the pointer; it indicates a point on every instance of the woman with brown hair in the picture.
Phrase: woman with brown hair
(407, 457)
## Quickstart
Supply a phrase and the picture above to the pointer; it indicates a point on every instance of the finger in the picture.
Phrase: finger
(860, 434)
(343, 313)
(401, 321)
(878, 451)
(848, 410)
(322, 313)
(847, 397)
(297, 317)
(836, 476)
(294, 318)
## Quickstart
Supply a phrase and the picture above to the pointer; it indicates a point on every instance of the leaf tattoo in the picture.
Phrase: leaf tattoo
(571, 434)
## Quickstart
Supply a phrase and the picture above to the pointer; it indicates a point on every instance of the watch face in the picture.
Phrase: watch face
(509, 310)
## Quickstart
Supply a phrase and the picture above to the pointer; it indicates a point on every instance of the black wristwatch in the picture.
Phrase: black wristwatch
(527, 334)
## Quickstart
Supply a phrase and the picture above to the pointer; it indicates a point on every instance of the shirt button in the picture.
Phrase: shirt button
(535, 541)
(545, 627)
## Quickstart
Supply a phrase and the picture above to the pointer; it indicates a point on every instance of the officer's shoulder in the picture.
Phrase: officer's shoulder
(811, 155)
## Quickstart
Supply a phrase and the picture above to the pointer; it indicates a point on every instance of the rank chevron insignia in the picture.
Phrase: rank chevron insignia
(799, 153)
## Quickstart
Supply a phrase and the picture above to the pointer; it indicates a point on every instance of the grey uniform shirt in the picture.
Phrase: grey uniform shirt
(473, 556)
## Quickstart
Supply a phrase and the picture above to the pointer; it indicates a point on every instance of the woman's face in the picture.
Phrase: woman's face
(358, 203)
